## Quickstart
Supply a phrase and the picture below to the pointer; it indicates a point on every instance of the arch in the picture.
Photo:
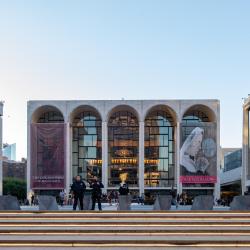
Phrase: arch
(123, 146)
(86, 142)
(84, 108)
(54, 114)
(159, 147)
(162, 107)
(120, 108)
(202, 112)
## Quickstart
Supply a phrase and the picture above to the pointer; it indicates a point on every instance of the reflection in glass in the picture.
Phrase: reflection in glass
(86, 146)
(159, 155)
(123, 146)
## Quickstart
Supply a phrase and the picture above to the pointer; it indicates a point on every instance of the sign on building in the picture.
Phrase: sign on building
(47, 156)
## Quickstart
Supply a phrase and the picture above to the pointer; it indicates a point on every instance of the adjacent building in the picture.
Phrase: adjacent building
(155, 145)
(231, 174)
(9, 151)
(15, 169)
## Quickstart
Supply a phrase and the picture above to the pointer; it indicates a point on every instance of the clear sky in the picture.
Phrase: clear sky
(132, 49)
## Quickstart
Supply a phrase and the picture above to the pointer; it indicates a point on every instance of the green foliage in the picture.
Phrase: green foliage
(15, 187)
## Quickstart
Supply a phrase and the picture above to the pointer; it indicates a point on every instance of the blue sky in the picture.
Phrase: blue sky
(129, 49)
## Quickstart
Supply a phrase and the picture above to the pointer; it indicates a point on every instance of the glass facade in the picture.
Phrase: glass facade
(87, 145)
(233, 160)
(159, 146)
(123, 149)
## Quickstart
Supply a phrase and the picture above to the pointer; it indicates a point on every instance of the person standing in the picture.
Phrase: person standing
(32, 199)
(62, 197)
(78, 188)
(124, 190)
(96, 193)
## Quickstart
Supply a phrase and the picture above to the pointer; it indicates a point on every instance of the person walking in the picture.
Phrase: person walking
(96, 193)
(78, 188)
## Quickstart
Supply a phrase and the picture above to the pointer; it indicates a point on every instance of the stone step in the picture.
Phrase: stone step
(126, 215)
(125, 230)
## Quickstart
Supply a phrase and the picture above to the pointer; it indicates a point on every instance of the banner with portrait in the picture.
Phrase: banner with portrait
(48, 156)
(198, 153)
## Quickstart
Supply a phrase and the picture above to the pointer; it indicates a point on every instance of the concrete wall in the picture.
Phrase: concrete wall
(141, 108)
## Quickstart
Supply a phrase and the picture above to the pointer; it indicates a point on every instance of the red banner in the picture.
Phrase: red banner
(48, 156)
(198, 179)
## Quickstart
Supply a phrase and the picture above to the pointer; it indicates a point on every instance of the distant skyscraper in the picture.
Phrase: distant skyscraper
(9, 151)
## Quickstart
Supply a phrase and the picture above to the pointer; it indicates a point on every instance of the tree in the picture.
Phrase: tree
(15, 187)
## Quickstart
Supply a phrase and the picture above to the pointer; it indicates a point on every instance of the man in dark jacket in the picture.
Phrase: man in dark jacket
(78, 189)
(96, 193)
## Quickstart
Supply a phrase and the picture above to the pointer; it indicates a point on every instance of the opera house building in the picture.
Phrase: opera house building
(155, 145)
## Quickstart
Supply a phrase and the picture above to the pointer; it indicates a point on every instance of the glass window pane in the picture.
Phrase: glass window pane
(92, 131)
(75, 146)
(91, 152)
(87, 140)
(82, 152)
(163, 152)
(75, 159)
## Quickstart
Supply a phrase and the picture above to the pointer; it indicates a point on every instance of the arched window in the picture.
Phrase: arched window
(159, 157)
(198, 147)
(48, 149)
(47, 114)
(123, 148)
(87, 145)
(193, 118)
(51, 117)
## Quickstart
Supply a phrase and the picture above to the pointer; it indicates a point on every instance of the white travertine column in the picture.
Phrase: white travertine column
(68, 152)
(141, 157)
(28, 160)
(245, 150)
(105, 156)
(217, 185)
(177, 148)
(1, 143)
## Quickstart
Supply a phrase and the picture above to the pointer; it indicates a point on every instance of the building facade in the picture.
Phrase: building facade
(15, 169)
(231, 174)
(155, 145)
(246, 146)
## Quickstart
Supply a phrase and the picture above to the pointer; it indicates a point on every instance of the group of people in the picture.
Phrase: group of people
(78, 189)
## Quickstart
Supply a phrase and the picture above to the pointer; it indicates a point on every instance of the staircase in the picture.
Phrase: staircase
(125, 230)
